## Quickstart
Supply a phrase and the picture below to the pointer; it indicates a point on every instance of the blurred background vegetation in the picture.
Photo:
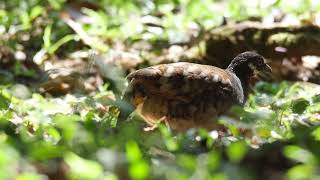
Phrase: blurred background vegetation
(62, 70)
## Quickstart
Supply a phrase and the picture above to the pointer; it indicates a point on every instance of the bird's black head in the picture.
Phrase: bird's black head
(247, 64)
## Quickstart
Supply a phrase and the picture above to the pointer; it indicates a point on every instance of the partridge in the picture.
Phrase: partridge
(188, 95)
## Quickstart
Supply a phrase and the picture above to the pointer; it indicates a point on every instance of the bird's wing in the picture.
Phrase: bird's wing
(182, 81)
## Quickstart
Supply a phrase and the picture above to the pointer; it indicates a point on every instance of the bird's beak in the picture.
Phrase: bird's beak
(265, 72)
(267, 69)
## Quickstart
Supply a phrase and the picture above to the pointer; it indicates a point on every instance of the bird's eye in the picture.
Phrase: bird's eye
(260, 62)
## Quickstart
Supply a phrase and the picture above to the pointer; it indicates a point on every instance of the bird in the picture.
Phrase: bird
(187, 95)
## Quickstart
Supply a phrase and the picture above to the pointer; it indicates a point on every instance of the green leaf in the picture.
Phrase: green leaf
(41, 150)
(5, 117)
(36, 11)
(219, 176)
(170, 142)
(187, 161)
(29, 176)
(133, 151)
(68, 125)
(64, 118)
(56, 4)
(4, 102)
(83, 168)
(300, 172)
(298, 154)
(112, 116)
(53, 135)
(139, 170)
(110, 176)
(316, 134)
(9, 159)
(299, 105)
(316, 98)
(237, 150)
(25, 20)
(52, 49)
(214, 159)
(47, 37)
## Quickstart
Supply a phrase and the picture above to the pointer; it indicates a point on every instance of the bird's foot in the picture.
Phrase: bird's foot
(150, 128)
(155, 126)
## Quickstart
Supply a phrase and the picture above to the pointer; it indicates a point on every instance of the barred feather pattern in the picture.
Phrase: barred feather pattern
(185, 94)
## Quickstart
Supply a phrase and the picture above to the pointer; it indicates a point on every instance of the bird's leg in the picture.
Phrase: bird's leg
(150, 128)
(166, 121)
(154, 126)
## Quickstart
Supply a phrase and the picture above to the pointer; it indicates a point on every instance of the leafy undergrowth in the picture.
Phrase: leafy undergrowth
(82, 137)
(77, 136)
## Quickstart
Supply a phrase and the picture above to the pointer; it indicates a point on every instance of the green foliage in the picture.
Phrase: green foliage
(128, 21)
(72, 129)
(70, 135)
(301, 172)
(138, 168)
(316, 134)
(52, 48)
(298, 154)
(4, 102)
(236, 151)
(300, 105)
(83, 168)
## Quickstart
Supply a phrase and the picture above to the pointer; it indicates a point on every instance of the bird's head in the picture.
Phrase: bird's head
(248, 64)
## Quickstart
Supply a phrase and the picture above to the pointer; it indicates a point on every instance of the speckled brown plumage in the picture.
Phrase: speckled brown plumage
(187, 95)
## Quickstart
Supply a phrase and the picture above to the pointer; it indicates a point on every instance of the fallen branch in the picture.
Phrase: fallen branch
(275, 42)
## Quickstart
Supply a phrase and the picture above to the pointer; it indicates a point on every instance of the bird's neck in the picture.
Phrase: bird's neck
(244, 75)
